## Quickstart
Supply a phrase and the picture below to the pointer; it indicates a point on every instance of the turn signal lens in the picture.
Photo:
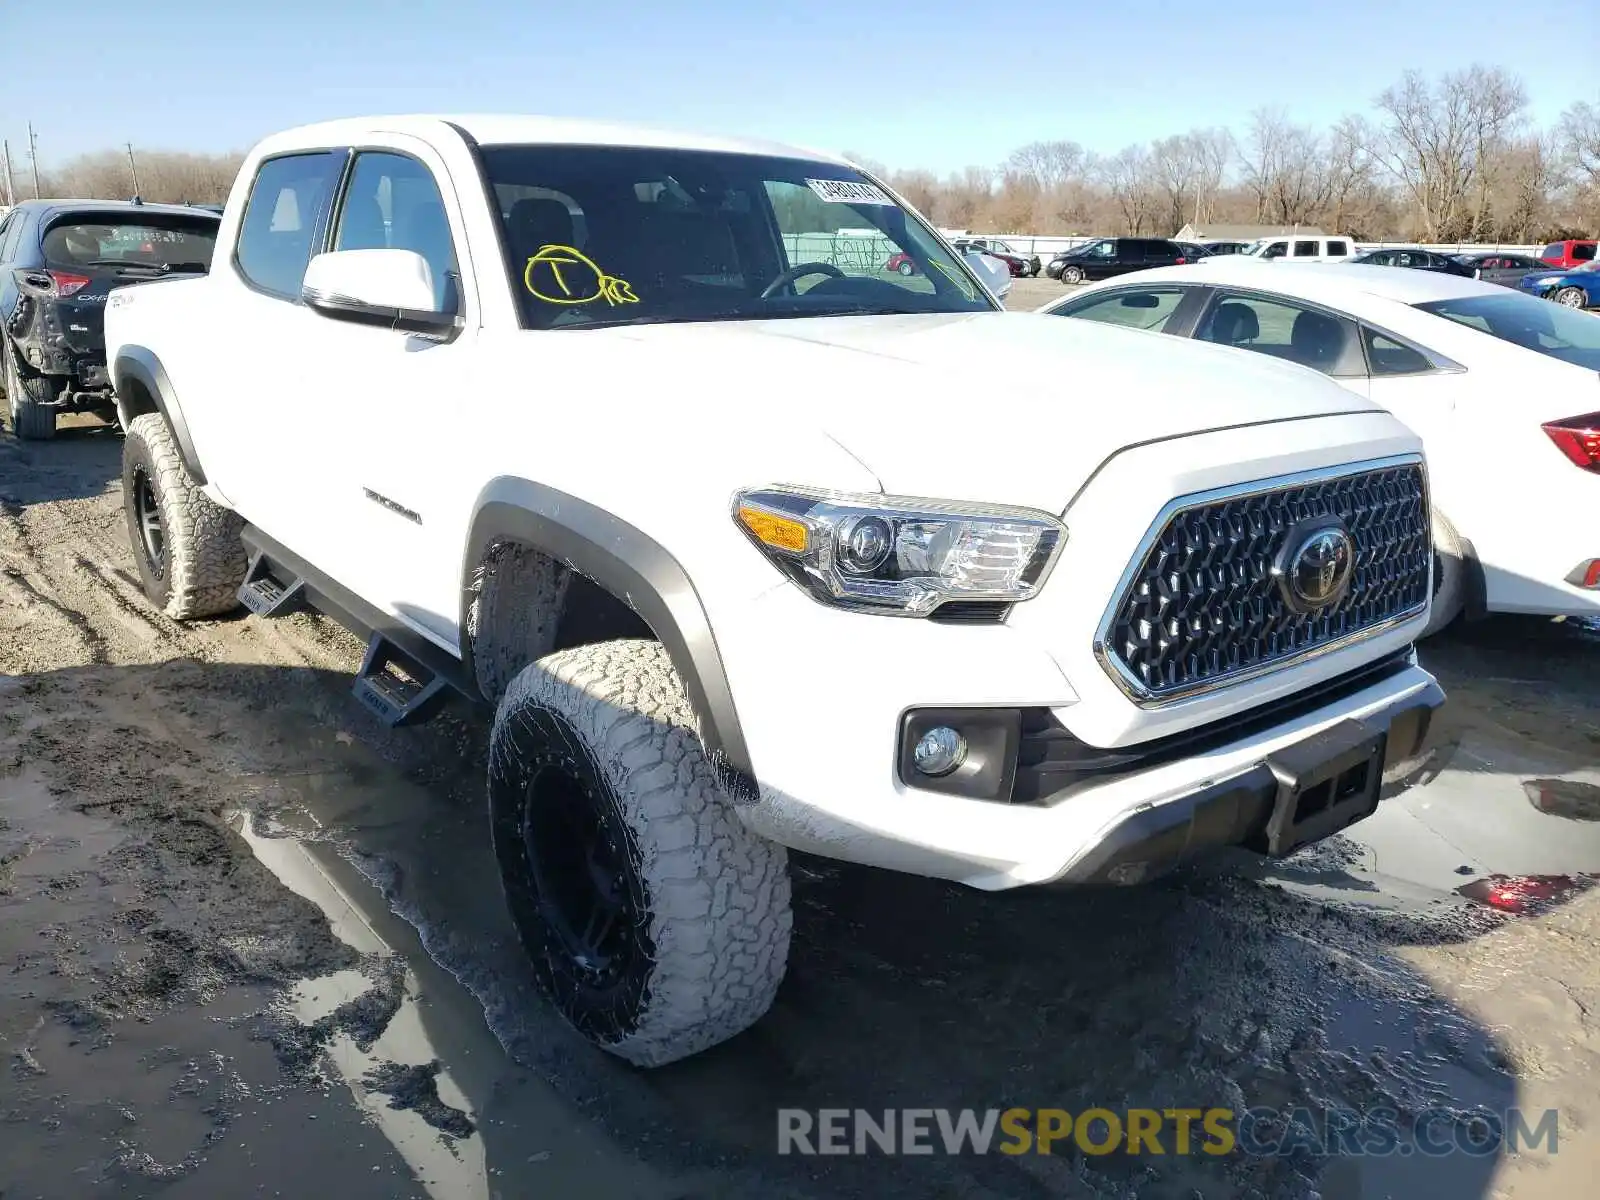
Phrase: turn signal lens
(770, 529)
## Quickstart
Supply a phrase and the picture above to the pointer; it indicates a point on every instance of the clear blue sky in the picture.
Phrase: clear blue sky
(935, 83)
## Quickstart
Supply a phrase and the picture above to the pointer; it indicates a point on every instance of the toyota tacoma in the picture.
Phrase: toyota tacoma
(596, 426)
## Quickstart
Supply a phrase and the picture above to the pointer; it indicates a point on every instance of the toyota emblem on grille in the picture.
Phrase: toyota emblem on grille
(1314, 571)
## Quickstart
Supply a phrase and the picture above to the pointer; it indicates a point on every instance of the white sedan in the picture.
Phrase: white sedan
(1503, 388)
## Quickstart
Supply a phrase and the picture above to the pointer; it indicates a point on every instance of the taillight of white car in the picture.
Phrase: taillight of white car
(1578, 438)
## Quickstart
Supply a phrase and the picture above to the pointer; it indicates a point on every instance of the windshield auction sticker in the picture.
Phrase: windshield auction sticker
(844, 191)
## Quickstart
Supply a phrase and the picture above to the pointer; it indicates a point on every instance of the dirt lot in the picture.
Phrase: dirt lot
(250, 944)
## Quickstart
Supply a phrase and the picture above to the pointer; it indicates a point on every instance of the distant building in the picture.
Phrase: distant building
(1207, 232)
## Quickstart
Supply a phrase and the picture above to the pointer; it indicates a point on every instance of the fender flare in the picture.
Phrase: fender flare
(136, 364)
(640, 572)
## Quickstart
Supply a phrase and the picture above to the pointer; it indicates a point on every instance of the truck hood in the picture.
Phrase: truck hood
(1016, 408)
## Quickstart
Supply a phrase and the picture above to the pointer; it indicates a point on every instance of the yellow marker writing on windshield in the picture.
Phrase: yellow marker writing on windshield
(955, 277)
(573, 278)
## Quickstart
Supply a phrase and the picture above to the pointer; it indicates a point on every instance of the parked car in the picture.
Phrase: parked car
(1577, 288)
(1106, 257)
(1300, 249)
(654, 593)
(59, 259)
(901, 263)
(1568, 254)
(1226, 247)
(1414, 257)
(1023, 264)
(1500, 386)
(1498, 266)
(1020, 265)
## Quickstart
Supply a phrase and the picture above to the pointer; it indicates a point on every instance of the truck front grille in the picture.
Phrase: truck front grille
(1203, 606)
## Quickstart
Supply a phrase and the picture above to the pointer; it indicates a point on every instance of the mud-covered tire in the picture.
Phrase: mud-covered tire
(30, 402)
(1571, 297)
(194, 565)
(1071, 275)
(604, 735)
(1450, 568)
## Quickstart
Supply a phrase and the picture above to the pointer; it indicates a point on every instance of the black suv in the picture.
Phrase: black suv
(59, 260)
(1113, 256)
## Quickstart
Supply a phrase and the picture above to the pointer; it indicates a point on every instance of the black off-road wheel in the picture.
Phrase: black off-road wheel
(187, 548)
(656, 923)
(30, 401)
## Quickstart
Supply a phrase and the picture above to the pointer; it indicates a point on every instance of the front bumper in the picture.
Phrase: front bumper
(1246, 810)
(1124, 827)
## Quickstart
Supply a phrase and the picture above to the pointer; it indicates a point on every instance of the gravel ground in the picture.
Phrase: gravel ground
(251, 944)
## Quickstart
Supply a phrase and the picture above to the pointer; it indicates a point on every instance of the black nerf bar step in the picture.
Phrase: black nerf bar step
(267, 594)
(395, 687)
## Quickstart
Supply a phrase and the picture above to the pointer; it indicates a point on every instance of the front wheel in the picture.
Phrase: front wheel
(191, 560)
(1571, 297)
(1071, 274)
(31, 402)
(656, 922)
(1449, 577)
(906, 268)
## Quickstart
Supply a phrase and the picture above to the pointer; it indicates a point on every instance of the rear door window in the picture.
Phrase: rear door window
(1283, 329)
(1583, 253)
(10, 235)
(284, 218)
(1306, 249)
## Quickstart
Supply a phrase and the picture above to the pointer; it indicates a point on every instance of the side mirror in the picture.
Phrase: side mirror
(389, 288)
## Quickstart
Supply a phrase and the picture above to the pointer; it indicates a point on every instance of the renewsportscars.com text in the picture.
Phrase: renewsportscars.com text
(1168, 1131)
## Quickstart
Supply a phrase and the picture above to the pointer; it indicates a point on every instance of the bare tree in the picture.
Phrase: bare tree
(1048, 164)
(1578, 138)
(1127, 177)
(1350, 166)
(1284, 169)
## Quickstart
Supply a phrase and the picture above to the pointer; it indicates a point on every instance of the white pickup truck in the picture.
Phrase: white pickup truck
(602, 426)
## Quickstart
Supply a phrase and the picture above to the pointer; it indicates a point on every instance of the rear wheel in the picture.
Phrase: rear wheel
(1571, 297)
(1071, 274)
(31, 402)
(191, 560)
(907, 268)
(657, 924)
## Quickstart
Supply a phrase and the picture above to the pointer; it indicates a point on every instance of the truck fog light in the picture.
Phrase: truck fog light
(939, 751)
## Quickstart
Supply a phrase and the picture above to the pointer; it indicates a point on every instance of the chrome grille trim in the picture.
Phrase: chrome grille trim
(1145, 697)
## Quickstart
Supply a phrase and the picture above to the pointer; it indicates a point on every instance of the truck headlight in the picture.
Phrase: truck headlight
(897, 555)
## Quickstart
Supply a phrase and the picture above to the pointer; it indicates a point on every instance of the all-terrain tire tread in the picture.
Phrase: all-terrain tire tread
(206, 556)
(32, 407)
(720, 918)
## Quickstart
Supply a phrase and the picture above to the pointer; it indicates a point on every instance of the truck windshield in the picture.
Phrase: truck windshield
(91, 240)
(609, 235)
(1538, 325)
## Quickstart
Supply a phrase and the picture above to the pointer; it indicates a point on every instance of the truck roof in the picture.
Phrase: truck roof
(497, 129)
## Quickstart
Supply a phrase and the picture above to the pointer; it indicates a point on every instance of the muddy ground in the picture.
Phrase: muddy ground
(251, 944)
